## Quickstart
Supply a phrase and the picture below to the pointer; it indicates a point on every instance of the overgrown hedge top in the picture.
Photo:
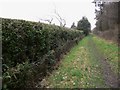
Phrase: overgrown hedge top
(30, 41)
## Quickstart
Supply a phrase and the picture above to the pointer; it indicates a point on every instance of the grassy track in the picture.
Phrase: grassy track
(110, 51)
(110, 77)
(81, 68)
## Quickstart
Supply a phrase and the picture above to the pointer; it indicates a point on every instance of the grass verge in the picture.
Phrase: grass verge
(78, 69)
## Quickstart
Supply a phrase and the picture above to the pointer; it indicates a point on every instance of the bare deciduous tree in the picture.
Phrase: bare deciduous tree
(57, 16)
(60, 19)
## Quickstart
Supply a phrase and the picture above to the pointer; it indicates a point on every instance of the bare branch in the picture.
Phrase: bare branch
(64, 22)
(59, 18)
(48, 20)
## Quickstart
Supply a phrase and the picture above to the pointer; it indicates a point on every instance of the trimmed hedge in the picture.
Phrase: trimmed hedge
(38, 44)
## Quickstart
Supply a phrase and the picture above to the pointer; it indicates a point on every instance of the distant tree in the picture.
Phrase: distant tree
(73, 25)
(84, 25)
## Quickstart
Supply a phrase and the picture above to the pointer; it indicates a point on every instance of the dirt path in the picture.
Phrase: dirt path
(111, 80)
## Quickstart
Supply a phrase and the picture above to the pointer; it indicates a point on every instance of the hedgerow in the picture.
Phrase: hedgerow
(31, 49)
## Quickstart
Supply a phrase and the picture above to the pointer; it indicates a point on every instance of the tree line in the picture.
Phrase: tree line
(107, 19)
(106, 14)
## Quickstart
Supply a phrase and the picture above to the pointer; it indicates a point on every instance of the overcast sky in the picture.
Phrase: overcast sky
(33, 10)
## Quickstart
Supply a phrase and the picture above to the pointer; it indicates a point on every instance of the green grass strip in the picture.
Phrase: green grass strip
(78, 70)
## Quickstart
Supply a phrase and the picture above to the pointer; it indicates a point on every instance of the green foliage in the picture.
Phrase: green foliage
(32, 42)
(84, 25)
(16, 76)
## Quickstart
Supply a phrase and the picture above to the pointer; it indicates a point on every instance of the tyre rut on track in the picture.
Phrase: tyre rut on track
(110, 79)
